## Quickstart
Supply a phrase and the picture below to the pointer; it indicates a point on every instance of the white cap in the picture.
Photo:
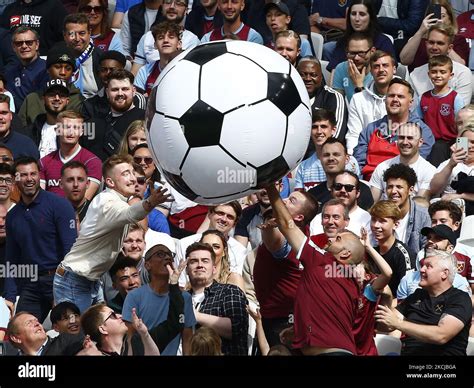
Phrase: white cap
(153, 239)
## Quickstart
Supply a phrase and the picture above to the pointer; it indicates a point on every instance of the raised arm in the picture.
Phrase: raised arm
(287, 226)
(385, 270)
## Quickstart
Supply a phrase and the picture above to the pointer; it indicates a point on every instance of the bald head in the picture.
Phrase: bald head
(347, 248)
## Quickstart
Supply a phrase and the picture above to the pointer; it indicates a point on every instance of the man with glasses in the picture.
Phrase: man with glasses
(353, 75)
(69, 129)
(101, 235)
(346, 187)
(7, 181)
(28, 74)
(154, 300)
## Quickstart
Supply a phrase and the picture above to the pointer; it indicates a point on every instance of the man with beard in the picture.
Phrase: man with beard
(98, 106)
(109, 130)
(377, 142)
(74, 182)
(325, 303)
(41, 243)
(60, 65)
(221, 307)
(369, 105)
(77, 35)
(353, 75)
(43, 130)
(346, 187)
(70, 127)
(400, 181)
(19, 145)
(77, 277)
(408, 143)
(203, 18)
(322, 96)
(174, 12)
(233, 24)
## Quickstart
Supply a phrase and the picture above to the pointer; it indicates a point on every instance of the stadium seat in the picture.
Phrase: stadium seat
(466, 237)
(388, 345)
(326, 74)
(318, 43)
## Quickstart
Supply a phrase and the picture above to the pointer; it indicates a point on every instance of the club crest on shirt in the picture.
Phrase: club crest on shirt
(460, 266)
(438, 309)
(445, 110)
(342, 3)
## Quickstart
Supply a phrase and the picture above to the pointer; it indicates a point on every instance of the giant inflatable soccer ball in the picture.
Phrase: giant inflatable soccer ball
(227, 118)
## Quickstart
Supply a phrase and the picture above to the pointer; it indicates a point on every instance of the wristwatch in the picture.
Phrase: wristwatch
(357, 89)
(319, 21)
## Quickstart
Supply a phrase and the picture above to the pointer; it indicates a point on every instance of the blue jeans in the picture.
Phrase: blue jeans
(77, 289)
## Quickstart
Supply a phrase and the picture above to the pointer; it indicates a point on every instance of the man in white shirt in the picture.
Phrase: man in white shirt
(440, 42)
(102, 232)
(408, 143)
(346, 188)
(368, 105)
(222, 218)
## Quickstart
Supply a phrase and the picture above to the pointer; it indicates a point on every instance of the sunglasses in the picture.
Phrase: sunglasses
(89, 9)
(141, 180)
(146, 159)
(19, 43)
(339, 186)
(112, 315)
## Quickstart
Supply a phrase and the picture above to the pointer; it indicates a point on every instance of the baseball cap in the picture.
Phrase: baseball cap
(441, 230)
(278, 4)
(153, 239)
(61, 54)
(56, 84)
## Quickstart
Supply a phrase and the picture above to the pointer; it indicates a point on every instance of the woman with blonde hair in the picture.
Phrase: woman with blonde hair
(218, 243)
(414, 52)
(134, 135)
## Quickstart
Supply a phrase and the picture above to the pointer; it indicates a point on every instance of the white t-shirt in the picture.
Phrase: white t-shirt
(461, 167)
(48, 140)
(389, 9)
(401, 230)
(424, 172)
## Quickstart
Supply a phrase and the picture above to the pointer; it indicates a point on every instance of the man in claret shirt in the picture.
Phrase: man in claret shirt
(327, 295)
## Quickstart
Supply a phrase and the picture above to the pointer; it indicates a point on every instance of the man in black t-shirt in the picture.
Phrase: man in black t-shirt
(435, 319)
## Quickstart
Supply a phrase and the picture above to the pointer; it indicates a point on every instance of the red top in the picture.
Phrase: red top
(104, 42)
(243, 34)
(276, 281)
(364, 325)
(378, 150)
(325, 306)
(466, 25)
(52, 163)
(438, 114)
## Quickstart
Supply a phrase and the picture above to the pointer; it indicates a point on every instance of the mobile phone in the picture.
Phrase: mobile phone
(462, 142)
(436, 10)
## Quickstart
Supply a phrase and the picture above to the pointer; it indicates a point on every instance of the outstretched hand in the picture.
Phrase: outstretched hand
(137, 323)
(270, 223)
(158, 196)
(174, 274)
(364, 237)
